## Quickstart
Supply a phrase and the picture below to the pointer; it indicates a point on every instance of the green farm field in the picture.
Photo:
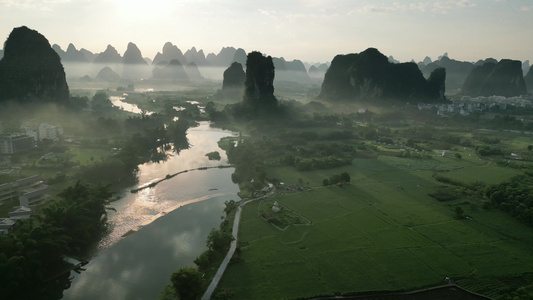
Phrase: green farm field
(380, 232)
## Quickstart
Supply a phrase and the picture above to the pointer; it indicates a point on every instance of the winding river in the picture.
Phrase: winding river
(162, 228)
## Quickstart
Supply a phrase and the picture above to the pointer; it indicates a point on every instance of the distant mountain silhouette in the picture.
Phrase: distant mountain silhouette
(31, 69)
(234, 77)
(486, 60)
(313, 71)
(88, 54)
(294, 71)
(172, 71)
(444, 55)
(456, 71)
(196, 56)
(503, 79)
(279, 64)
(133, 56)
(317, 72)
(223, 59)
(525, 67)
(169, 53)
(529, 79)
(369, 74)
(392, 60)
(437, 84)
(58, 50)
(211, 58)
(135, 67)
(109, 56)
(240, 56)
(86, 78)
(107, 74)
(233, 82)
(192, 72)
(73, 55)
(323, 68)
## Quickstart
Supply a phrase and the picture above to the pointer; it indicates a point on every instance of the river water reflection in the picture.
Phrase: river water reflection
(160, 237)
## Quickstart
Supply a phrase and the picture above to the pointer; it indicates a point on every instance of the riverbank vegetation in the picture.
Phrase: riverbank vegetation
(217, 245)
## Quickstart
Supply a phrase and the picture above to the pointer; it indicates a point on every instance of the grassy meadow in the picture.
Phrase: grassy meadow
(380, 232)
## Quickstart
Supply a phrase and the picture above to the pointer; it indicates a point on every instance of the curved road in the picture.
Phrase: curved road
(211, 288)
(234, 233)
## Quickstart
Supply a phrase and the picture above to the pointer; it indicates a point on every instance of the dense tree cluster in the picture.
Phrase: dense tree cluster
(343, 177)
(100, 102)
(149, 144)
(514, 197)
(152, 137)
(188, 283)
(32, 262)
(322, 163)
(248, 159)
(487, 150)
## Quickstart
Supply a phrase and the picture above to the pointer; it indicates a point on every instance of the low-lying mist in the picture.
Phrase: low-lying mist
(130, 72)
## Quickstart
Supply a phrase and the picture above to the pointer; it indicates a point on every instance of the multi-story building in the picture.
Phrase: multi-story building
(8, 191)
(6, 225)
(16, 143)
(31, 129)
(49, 131)
(21, 212)
(29, 191)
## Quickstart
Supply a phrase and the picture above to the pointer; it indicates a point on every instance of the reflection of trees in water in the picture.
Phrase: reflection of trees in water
(60, 283)
(158, 143)
(152, 142)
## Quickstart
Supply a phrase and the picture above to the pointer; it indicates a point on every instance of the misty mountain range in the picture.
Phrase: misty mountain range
(367, 74)
(170, 55)
(456, 71)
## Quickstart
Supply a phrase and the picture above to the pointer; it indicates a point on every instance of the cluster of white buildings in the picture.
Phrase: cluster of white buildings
(467, 105)
(27, 139)
(42, 131)
(30, 192)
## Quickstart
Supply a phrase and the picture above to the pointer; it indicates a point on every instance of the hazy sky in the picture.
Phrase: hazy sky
(310, 30)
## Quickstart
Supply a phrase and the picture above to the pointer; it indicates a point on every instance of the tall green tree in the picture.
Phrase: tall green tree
(81, 212)
(188, 283)
(100, 101)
